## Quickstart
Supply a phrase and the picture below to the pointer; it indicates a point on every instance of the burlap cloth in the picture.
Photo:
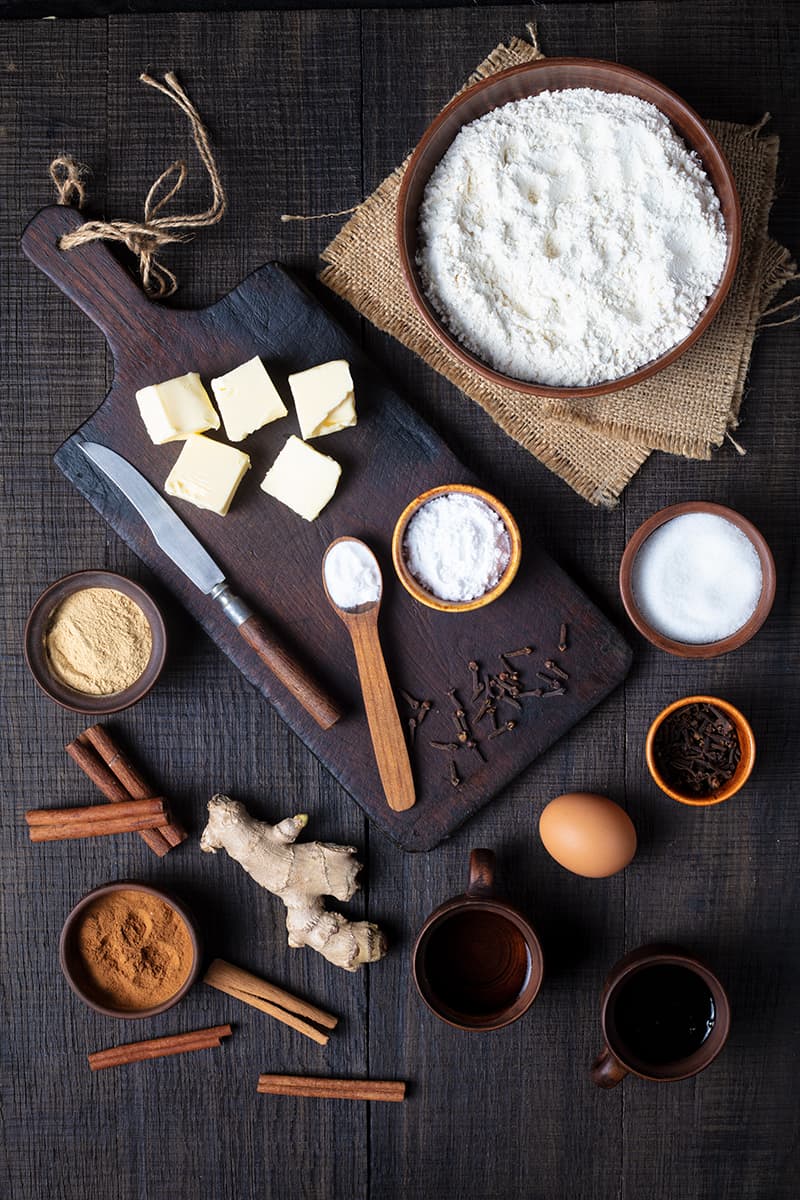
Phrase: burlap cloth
(596, 445)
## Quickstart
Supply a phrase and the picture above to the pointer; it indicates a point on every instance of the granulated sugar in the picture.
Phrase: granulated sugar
(457, 547)
(697, 578)
(571, 237)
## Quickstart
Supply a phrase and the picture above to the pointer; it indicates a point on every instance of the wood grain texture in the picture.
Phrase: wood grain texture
(308, 112)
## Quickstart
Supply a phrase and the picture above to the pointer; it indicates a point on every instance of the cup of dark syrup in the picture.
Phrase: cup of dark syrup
(477, 961)
(664, 1015)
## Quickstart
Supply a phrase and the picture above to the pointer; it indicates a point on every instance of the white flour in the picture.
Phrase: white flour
(457, 547)
(570, 238)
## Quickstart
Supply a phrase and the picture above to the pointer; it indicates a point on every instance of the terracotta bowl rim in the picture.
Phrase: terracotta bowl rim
(411, 584)
(747, 743)
(698, 649)
(673, 101)
(66, 952)
(36, 659)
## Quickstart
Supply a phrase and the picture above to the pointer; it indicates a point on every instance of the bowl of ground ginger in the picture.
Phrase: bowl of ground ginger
(95, 642)
(130, 950)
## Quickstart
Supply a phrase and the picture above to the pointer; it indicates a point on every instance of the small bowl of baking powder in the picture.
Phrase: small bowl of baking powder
(456, 548)
(95, 642)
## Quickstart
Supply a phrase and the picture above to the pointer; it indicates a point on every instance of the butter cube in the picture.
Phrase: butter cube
(302, 478)
(207, 473)
(173, 410)
(324, 398)
(247, 399)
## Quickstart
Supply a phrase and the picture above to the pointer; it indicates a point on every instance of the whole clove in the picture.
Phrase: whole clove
(696, 750)
(547, 678)
(412, 729)
(450, 746)
(506, 728)
(477, 683)
(410, 701)
(511, 700)
(556, 691)
(535, 692)
(422, 712)
(455, 778)
(562, 639)
(556, 669)
(523, 650)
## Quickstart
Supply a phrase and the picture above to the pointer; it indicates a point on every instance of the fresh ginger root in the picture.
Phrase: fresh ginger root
(300, 876)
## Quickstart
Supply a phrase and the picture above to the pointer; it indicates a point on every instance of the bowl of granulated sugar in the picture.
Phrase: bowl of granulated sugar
(697, 579)
(567, 227)
(456, 548)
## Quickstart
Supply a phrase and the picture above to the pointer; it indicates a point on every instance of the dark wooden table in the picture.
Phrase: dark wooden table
(309, 110)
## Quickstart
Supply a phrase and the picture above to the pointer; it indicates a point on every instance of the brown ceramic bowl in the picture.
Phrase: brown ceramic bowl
(747, 743)
(36, 655)
(72, 964)
(557, 74)
(698, 649)
(415, 588)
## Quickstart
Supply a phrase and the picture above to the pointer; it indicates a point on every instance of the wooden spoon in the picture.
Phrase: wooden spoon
(388, 741)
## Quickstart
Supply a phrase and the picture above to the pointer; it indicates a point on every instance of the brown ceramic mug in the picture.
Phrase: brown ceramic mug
(477, 962)
(664, 1015)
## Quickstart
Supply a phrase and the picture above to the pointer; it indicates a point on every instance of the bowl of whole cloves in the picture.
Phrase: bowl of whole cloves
(700, 750)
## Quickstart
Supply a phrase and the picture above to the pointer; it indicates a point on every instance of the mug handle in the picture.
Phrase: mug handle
(481, 873)
(607, 1071)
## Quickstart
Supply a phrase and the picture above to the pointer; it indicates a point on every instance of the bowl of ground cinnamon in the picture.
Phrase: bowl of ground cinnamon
(95, 642)
(130, 950)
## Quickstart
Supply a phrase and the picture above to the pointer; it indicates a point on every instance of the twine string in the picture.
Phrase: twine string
(146, 238)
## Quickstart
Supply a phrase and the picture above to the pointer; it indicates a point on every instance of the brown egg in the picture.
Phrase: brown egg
(588, 834)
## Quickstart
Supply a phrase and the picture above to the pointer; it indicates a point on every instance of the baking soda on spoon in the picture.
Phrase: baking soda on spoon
(697, 579)
(352, 576)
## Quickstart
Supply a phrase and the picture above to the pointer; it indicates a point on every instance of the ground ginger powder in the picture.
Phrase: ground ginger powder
(98, 641)
(136, 950)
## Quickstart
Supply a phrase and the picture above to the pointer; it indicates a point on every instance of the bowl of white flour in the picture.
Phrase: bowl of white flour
(568, 227)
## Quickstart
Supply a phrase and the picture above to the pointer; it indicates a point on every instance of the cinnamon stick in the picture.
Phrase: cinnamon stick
(96, 813)
(69, 830)
(268, 998)
(104, 745)
(199, 1039)
(331, 1089)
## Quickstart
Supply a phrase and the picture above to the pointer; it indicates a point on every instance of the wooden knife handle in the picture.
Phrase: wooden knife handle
(293, 677)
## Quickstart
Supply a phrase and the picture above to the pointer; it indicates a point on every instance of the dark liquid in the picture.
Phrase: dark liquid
(476, 963)
(663, 1013)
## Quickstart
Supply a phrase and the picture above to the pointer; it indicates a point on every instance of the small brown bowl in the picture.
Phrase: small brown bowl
(415, 588)
(36, 654)
(517, 83)
(698, 649)
(747, 744)
(71, 962)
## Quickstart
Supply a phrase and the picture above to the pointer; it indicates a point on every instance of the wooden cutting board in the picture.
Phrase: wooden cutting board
(273, 558)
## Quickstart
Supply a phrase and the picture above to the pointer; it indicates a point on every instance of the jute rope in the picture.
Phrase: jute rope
(145, 238)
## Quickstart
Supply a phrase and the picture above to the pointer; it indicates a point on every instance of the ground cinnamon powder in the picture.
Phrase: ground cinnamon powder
(136, 949)
(98, 641)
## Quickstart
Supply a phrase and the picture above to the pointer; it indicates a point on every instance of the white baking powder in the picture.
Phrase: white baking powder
(457, 547)
(352, 575)
(570, 238)
(697, 578)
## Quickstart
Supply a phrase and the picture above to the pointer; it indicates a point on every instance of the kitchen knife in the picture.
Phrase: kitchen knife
(179, 543)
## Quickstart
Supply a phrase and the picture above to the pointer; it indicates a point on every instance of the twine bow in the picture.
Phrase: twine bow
(145, 238)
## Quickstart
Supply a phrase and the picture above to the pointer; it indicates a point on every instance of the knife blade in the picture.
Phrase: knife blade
(191, 558)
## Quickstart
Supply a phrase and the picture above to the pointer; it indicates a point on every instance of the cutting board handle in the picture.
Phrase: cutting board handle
(92, 278)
